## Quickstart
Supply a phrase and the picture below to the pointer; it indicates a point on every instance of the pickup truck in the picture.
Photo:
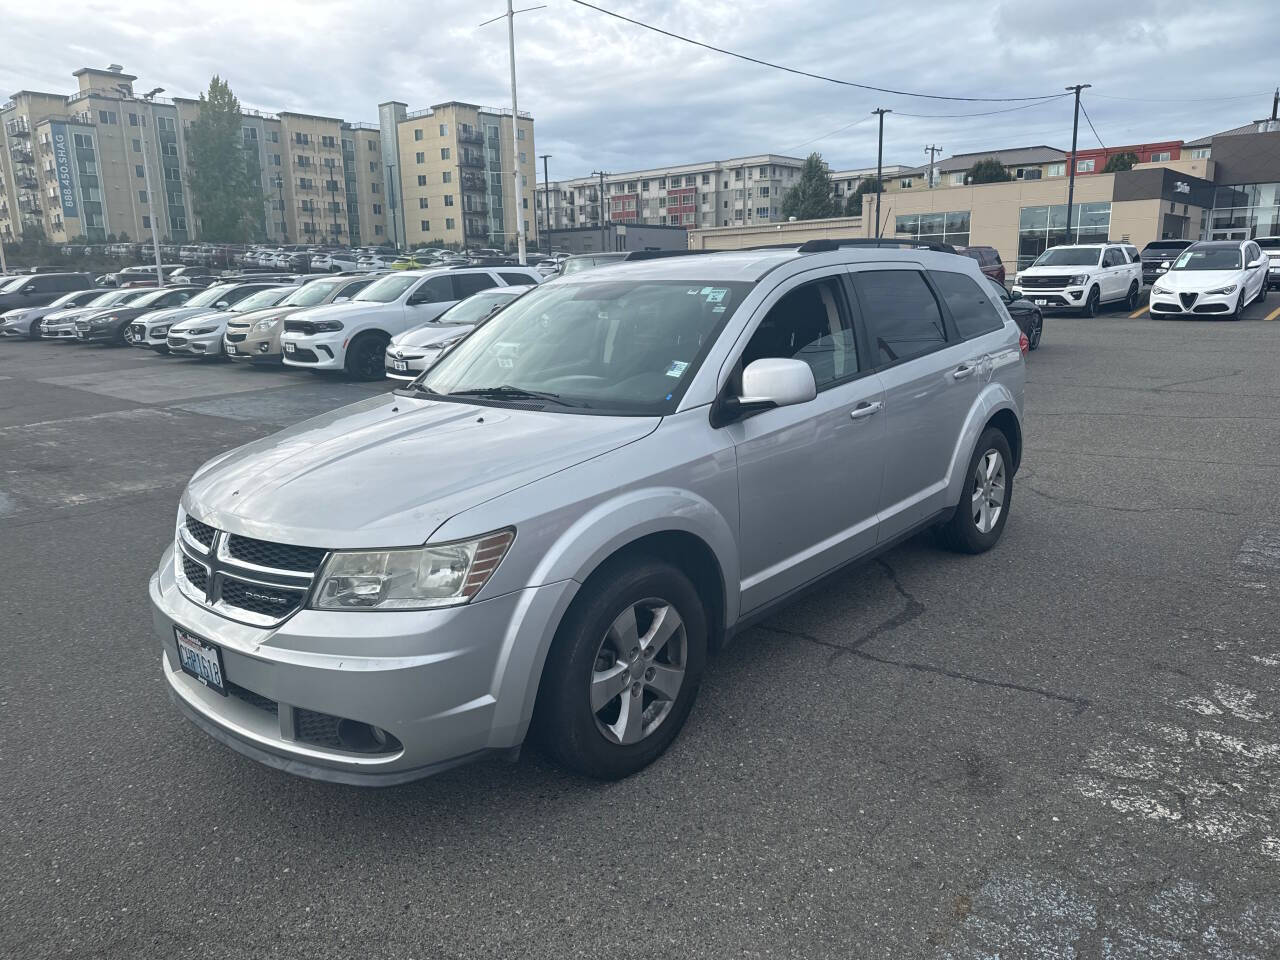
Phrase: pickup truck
(1082, 277)
(1158, 256)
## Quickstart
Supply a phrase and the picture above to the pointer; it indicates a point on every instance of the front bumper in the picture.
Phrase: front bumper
(1068, 298)
(404, 365)
(201, 345)
(252, 348)
(314, 353)
(149, 338)
(65, 331)
(447, 684)
(96, 334)
(1187, 304)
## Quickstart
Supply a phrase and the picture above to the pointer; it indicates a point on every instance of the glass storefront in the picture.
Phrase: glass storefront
(952, 228)
(1040, 228)
(1244, 211)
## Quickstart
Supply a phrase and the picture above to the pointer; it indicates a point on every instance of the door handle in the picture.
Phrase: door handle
(866, 409)
(962, 371)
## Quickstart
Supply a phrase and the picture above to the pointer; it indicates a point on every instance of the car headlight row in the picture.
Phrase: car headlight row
(1079, 280)
(418, 578)
(1222, 291)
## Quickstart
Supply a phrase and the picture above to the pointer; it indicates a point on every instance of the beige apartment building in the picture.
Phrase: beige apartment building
(453, 166)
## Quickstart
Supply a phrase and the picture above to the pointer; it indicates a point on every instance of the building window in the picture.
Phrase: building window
(1251, 207)
(425, 225)
(1199, 153)
(273, 136)
(905, 183)
(166, 124)
(446, 177)
(108, 117)
(324, 141)
(950, 228)
(448, 200)
(377, 208)
(137, 145)
(146, 222)
(444, 129)
(142, 196)
(275, 159)
(302, 161)
(444, 153)
(422, 203)
(1084, 166)
(303, 138)
(762, 213)
(706, 179)
(377, 229)
(1040, 228)
(524, 158)
(763, 191)
(449, 223)
(417, 133)
(139, 171)
(519, 133)
(375, 188)
(373, 146)
(133, 119)
(1162, 157)
(249, 133)
(1056, 170)
(422, 179)
(420, 157)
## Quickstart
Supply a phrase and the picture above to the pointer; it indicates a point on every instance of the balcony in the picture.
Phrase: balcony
(474, 182)
(29, 204)
(474, 206)
(18, 128)
(471, 160)
(470, 136)
(21, 155)
(27, 182)
(476, 228)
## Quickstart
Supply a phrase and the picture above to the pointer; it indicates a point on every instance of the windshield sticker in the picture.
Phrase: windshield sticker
(692, 292)
(719, 309)
(705, 291)
(716, 295)
(677, 367)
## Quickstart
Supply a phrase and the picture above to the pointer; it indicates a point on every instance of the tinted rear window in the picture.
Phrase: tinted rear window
(971, 308)
(902, 317)
(465, 284)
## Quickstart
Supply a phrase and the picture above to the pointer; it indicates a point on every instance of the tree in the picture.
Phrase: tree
(1120, 161)
(988, 170)
(853, 203)
(122, 237)
(226, 189)
(811, 198)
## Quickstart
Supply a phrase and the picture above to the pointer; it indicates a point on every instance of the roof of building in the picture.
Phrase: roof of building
(1010, 157)
(681, 169)
(1233, 132)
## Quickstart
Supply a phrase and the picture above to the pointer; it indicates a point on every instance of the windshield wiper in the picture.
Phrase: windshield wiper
(507, 391)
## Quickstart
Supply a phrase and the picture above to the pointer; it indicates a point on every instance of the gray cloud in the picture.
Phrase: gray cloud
(608, 95)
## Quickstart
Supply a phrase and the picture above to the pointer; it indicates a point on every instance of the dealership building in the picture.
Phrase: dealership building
(1226, 186)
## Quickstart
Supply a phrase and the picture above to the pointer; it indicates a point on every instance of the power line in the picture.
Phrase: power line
(984, 113)
(1244, 96)
(801, 73)
(847, 126)
(1091, 127)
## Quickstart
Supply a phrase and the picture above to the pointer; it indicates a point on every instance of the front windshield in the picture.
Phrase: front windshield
(152, 296)
(132, 295)
(209, 297)
(1069, 257)
(622, 347)
(387, 289)
(1209, 258)
(66, 299)
(475, 308)
(309, 294)
(263, 298)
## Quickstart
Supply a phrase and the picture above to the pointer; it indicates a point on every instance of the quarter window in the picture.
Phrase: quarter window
(465, 284)
(810, 323)
(902, 316)
(970, 307)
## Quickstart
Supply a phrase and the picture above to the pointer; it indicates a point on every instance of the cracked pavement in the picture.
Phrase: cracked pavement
(1069, 746)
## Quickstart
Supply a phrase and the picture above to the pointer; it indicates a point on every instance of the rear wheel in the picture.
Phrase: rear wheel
(1135, 295)
(1092, 302)
(1037, 327)
(624, 669)
(980, 517)
(366, 357)
(1262, 294)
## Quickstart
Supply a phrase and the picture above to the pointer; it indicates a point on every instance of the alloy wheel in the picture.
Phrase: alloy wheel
(639, 671)
(1037, 328)
(988, 491)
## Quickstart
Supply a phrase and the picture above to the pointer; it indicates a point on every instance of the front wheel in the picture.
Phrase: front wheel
(1037, 327)
(1092, 302)
(33, 332)
(624, 669)
(366, 357)
(980, 517)
(1238, 312)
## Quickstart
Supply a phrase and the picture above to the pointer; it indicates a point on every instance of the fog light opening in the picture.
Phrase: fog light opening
(364, 737)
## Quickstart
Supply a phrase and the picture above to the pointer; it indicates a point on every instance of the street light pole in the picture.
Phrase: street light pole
(546, 199)
(879, 111)
(391, 207)
(1071, 173)
(600, 209)
(515, 135)
(149, 98)
(284, 219)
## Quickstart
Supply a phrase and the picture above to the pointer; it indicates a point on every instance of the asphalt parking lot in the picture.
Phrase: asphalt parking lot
(1069, 746)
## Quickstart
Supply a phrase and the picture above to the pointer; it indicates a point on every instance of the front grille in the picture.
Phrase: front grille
(82, 324)
(1212, 308)
(263, 553)
(1044, 283)
(177, 341)
(1187, 299)
(195, 572)
(253, 699)
(320, 729)
(264, 601)
(302, 355)
(237, 337)
(138, 330)
(202, 533)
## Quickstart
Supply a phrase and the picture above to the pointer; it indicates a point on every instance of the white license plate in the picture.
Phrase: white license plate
(231, 349)
(399, 366)
(201, 659)
(1041, 303)
(80, 334)
(289, 347)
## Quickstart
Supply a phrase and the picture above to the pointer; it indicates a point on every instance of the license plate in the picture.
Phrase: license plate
(289, 347)
(231, 349)
(80, 334)
(1041, 303)
(400, 366)
(201, 659)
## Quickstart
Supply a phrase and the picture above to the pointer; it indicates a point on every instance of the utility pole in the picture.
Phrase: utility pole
(931, 150)
(1071, 172)
(546, 198)
(515, 136)
(880, 112)
(391, 207)
(149, 98)
(1275, 105)
(604, 236)
(284, 219)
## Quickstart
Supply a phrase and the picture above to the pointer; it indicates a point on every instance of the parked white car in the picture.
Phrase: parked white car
(202, 335)
(1271, 247)
(411, 352)
(336, 261)
(373, 261)
(354, 336)
(1213, 277)
(1083, 277)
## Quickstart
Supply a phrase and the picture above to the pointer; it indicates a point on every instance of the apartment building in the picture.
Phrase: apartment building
(453, 166)
(741, 190)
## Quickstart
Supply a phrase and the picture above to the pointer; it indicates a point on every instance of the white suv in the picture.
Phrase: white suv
(353, 336)
(1083, 277)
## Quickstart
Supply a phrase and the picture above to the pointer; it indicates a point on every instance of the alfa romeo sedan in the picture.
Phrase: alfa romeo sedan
(1212, 278)
(549, 532)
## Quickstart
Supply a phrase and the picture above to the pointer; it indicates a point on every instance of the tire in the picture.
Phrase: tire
(1037, 328)
(1091, 303)
(33, 332)
(122, 338)
(366, 357)
(593, 655)
(963, 532)
(1135, 296)
(1238, 313)
(1262, 294)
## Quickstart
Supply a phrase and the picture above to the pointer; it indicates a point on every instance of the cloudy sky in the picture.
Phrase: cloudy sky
(606, 94)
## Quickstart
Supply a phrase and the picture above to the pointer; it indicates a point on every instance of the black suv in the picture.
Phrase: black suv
(1156, 254)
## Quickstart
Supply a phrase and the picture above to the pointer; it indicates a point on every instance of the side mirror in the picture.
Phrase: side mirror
(1260, 262)
(768, 383)
(28, 289)
(221, 305)
(341, 299)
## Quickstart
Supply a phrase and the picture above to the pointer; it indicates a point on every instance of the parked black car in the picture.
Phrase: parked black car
(113, 326)
(40, 288)
(1025, 314)
(1157, 253)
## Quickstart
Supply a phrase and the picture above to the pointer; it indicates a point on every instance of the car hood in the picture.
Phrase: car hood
(253, 316)
(389, 470)
(1065, 270)
(339, 310)
(172, 315)
(430, 333)
(201, 316)
(74, 313)
(1198, 281)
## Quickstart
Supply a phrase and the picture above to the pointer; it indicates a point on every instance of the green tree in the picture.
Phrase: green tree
(853, 203)
(1120, 161)
(226, 190)
(811, 198)
(987, 170)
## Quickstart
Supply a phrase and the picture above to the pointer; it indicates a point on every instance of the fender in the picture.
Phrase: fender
(994, 398)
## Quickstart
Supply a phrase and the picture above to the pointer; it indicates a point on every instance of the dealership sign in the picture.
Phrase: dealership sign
(65, 170)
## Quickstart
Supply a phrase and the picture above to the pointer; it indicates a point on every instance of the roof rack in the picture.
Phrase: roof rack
(662, 254)
(825, 245)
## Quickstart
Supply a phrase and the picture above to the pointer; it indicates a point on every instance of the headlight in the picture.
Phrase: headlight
(263, 326)
(1156, 288)
(326, 326)
(102, 321)
(1079, 280)
(438, 575)
(197, 331)
(159, 331)
(1222, 291)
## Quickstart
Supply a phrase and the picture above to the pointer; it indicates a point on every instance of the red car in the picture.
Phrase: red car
(989, 261)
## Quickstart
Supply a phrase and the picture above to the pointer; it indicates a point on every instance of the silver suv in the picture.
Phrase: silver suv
(551, 529)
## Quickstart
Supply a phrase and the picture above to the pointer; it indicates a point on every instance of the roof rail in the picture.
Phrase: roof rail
(662, 254)
(825, 245)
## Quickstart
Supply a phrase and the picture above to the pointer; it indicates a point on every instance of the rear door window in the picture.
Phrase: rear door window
(465, 284)
(903, 319)
(971, 308)
(515, 279)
